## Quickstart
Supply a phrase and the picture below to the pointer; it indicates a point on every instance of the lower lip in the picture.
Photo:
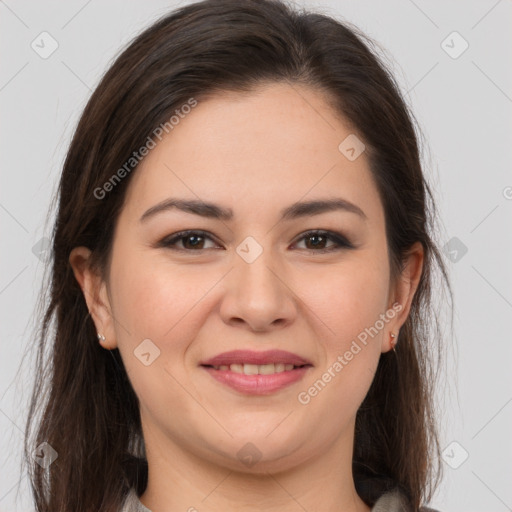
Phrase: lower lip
(257, 384)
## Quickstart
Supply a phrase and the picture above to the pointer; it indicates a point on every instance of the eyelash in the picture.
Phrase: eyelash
(340, 241)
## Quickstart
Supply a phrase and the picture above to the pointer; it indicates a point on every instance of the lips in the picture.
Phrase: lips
(257, 373)
(250, 357)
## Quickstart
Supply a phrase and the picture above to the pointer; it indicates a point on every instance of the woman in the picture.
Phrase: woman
(241, 280)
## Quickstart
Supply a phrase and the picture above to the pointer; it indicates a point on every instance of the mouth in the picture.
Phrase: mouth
(271, 361)
(257, 369)
(257, 373)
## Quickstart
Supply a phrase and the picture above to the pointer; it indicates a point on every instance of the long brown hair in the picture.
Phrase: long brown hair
(83, 404)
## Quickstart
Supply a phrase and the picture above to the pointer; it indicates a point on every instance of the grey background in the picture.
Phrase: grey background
(464, 108)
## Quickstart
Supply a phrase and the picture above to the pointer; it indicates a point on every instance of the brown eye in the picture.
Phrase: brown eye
(316, 241)
(194, 240)
(190, 241)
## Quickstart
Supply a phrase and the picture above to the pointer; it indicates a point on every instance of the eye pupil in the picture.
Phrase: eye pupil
(193, 237)
(315, 244)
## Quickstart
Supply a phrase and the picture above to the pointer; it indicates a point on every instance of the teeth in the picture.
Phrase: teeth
(257, 369)
(251, 369)
(267, 369)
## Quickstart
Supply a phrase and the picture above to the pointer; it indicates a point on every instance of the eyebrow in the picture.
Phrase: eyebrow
(214, 211)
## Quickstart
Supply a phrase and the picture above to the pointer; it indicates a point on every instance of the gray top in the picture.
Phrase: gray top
(133, 504)
(389, 502)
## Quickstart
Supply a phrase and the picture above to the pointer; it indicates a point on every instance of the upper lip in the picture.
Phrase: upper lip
(252, 357)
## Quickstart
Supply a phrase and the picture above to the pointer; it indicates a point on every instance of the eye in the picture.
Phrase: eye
(194, 240)
(190, 240)
(319, 238)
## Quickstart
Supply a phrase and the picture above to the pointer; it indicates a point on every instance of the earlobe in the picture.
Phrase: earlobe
(95, 294)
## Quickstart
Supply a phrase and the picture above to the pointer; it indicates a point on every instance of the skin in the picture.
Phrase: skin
(256, 154)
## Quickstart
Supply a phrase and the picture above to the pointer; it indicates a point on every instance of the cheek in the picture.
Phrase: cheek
(157, 301)
(350, 304)
(349, 297)
(153, 297)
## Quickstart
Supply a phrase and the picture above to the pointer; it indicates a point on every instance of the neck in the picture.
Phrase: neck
(181, 480)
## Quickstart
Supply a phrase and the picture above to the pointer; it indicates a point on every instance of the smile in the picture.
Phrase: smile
(257, 369)
(252, 379)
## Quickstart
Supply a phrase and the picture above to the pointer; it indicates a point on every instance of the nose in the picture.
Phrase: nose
(259, 295)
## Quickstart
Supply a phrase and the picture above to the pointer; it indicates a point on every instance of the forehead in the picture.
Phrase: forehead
(267, 148)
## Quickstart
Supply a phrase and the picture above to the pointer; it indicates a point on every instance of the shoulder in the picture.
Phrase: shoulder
(133, 504)
(394, 501)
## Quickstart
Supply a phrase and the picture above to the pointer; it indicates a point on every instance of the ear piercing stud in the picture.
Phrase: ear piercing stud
(393, 341)
(101, 337)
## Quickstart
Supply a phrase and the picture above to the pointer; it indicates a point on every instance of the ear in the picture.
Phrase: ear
(402, 291)
(95, 293)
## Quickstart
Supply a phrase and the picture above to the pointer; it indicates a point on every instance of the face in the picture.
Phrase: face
(254, 280)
